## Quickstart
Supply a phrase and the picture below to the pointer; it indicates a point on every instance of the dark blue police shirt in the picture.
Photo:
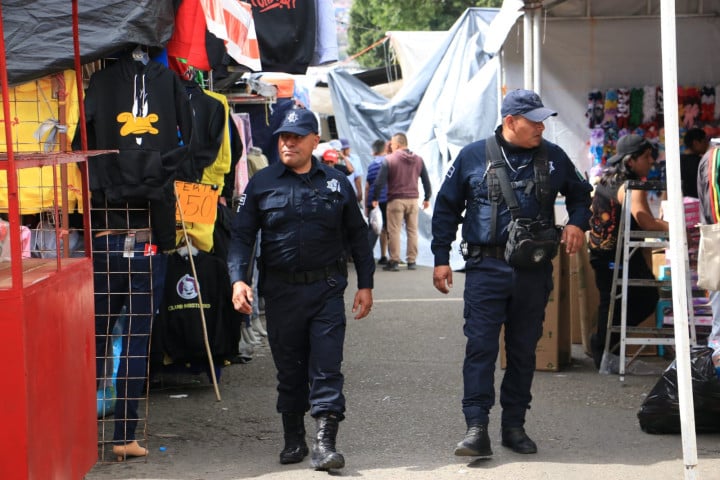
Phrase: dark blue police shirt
(464, 196)
(306, 223)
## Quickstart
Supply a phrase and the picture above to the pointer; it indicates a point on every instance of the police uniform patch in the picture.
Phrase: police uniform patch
(291, 117)
(333, 185)
(450, 171)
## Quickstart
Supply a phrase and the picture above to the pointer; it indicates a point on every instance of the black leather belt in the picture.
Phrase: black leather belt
(305, 277)
(492, 251)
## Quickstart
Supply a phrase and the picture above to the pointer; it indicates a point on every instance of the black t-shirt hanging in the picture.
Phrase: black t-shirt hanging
(286, 34)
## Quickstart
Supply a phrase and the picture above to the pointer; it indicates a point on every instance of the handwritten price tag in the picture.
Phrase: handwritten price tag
(197, 201)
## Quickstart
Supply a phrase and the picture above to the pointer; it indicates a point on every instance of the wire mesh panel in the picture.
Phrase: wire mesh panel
(125, 267)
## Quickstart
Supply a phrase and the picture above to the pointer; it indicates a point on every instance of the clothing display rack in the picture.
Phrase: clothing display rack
(630, 242)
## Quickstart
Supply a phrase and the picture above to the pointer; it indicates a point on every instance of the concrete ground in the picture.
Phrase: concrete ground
(403, 388)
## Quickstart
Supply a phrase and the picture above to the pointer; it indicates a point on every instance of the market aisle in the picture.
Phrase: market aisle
(403, 387)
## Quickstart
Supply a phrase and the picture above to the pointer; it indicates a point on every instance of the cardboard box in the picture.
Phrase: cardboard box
(584, 299)
(554, 347)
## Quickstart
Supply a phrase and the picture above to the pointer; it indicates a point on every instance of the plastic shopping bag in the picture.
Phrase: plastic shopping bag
(376, 220)
(709, 257)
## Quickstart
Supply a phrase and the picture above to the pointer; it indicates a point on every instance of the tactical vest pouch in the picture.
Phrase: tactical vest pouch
(531, 243)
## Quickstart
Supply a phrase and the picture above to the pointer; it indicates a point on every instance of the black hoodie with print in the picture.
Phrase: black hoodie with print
(141, 110)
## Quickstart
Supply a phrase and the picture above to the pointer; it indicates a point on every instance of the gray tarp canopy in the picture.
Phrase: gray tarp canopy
(451, 101)
(39, 38)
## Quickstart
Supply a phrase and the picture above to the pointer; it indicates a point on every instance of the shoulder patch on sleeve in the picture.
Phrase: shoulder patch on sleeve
(580, 175)
(241, 202)
(450, 171)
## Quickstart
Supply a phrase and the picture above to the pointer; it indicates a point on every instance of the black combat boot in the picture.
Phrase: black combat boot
(476, 442)
(517, 440)
(295, 449)
(324, 456)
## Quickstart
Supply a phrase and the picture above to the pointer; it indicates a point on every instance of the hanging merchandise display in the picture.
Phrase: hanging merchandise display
(619, 111)
(34, 113)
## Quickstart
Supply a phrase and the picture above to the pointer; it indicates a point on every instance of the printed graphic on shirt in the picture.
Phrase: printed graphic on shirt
(551, 166)
(265, 5)
(138, 121)
(186, 287)
(603, 224)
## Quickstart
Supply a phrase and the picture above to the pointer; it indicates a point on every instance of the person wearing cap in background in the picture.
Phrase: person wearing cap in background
(633, 160)
(497, 293)
(307, 215)
(331, 157)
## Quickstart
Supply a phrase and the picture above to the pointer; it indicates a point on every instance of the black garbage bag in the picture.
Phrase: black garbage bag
(660, 412)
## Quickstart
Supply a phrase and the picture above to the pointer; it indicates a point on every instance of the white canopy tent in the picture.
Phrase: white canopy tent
(614, 43)
(563, 49)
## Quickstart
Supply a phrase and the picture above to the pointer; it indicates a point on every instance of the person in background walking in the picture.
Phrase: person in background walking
(378, 151)
(400, 172)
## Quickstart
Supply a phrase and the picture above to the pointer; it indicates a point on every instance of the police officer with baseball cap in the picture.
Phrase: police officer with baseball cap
(496, 292)
(307, 214)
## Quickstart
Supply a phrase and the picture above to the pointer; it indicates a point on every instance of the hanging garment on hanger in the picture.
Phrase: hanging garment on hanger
(208, 132)
(144, 112)
(326, 43)
(188, 38)
(286, 34)
(34, 114)
(213, 144)
(178, 330)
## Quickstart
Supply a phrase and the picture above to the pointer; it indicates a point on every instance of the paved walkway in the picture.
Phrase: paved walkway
(403, 387)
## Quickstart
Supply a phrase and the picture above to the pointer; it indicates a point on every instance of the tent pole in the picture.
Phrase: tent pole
(678, 240)
(537, 59)
(527, 50)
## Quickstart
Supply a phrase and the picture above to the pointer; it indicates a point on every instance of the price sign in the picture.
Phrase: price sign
(197, 201)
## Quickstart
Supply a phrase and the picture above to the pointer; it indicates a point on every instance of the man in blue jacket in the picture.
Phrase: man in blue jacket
(497, 293)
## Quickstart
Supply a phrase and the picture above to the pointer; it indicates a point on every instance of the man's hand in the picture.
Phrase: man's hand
(426, 204)
(363, 303)
(573, 238)
(442, 278)
(242, 297)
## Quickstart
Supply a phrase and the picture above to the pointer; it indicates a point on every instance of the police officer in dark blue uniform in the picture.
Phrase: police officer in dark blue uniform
(497, 293)
(308, 217)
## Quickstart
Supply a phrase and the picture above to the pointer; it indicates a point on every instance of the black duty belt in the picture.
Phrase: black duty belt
(305, 277)
(492, 251)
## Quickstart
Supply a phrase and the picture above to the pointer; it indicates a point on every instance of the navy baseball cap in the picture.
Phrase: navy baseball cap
(344, 143)
(526, 103)
(300, 122)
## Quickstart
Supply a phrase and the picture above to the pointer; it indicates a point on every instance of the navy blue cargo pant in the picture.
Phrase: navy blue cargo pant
(495, 295)
(306, 333)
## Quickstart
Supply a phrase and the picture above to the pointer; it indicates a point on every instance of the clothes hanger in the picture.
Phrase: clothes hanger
(187, 248)
(140, 55)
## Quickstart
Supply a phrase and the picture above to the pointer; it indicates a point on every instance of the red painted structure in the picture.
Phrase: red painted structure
(47, 335)
(48, 355)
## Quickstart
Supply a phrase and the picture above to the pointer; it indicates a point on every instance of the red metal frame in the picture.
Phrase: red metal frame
(48, 342)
